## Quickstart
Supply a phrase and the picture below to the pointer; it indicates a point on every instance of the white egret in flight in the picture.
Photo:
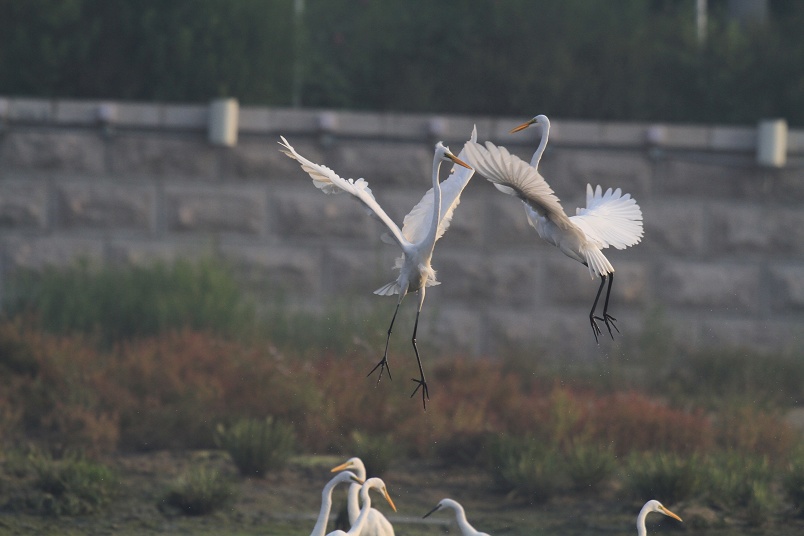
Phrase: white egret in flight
(460, 516)
(357, 526)
(326, 500)
(376, 524)
(651, 506)
(609, 219)
(422, 227)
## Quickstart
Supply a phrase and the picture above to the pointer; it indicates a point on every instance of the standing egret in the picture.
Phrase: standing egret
(357, 527)
(422, 227)
(460, 516)
(326, 499)
(609, 219)
(651, 506)
(376, 524)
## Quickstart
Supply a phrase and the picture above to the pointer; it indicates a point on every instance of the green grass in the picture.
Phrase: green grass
(118, 303)
(199, 491)
(257, 446)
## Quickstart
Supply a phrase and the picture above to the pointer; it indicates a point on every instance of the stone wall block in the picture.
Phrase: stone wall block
(360, 269)
(31, 110)
(788, 287)
(276, 270)
(157, 156)
(713, 286)
(59, 251)
(381, 163)
(741, 229)
(138, 252)
(716, 179)
(23, 204)
(475, 279)
(314, 214)
(71, 152)
(788, 234)
(106, 205)
(626, 170)
(209, 210)
(674, 226)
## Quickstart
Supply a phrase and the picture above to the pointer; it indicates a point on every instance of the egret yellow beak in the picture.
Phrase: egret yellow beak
(523, 126)
(341, 467)
(388, 498)
(458, 161)
(667, 512)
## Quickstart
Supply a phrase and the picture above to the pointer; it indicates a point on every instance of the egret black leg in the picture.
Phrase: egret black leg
(592, 318)
(421, 382)
(383, 363)
(607, 318)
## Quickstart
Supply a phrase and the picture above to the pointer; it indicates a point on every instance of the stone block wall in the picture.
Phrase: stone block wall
(114, 182)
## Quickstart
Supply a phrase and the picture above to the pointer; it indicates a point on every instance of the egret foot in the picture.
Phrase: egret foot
(421, 383)
(610, 323)
(595, 328)
(383, 366)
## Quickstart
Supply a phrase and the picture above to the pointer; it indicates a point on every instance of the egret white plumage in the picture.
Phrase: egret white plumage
(651, 506)
(376, 524)
(422, 227)
(357, 526)
(609, 219)
(326, 499)
(460, 517)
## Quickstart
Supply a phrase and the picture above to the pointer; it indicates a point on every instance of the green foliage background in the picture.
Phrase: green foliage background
(624, 60)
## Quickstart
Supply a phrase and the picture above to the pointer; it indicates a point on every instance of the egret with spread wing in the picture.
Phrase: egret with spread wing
(422, 227)
(609, 219)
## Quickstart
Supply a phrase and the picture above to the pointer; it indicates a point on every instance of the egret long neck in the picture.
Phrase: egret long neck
(352, 501)
(641, 530)
(357, 526)
(323, 515)
(431, 234)
(537, 156)
(463, 523)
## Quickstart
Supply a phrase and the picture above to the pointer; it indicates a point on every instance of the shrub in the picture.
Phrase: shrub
(665, 476)
(588, 466)
(199, 491)
(121, 302)
(526, 467)
(376, 450)
(70, 486)
(257, 446)
(793, 481)
(741, 483)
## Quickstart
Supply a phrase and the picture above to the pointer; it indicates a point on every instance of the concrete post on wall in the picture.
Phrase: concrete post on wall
(772, 143)
(223, 122)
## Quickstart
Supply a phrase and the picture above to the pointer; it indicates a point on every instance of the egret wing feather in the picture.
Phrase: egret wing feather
(610, 219)
(330, 182)
(512, 175)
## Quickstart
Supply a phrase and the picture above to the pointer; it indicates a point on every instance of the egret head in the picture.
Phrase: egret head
(656, 506)
(378, 484)
(540, 120)
(442, 152)
(355, 464)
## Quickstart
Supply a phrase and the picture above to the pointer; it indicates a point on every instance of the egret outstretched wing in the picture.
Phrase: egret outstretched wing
(610, 218)
(513, 176)
(330, 182)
